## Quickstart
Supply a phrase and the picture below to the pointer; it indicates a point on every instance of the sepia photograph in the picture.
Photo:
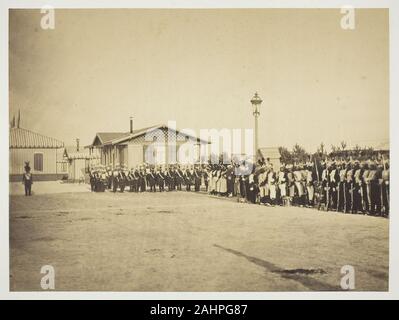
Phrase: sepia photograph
(199, 149)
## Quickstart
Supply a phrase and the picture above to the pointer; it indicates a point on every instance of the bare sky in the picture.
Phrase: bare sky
(201, 68)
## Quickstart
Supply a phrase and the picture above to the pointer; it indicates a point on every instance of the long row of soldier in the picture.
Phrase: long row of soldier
(352, 186)
(144, 177)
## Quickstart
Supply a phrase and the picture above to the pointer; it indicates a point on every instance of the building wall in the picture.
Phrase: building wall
(18, 157)
(77, 169)
(132, 153)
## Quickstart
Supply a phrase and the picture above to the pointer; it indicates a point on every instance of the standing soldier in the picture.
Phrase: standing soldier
(188, 178)
(103, 179)
(135, 181)
(271, 183)
(298, 181)
(282, 185)
(349, 188)
(197, 179)
(151, 179)
(243, 180)
(170, 178)
(262, 183)
(333, 184)
(341, 188)
(130, 178)
(223, 181)
(27, 180)
(385, 188)
(309, 181)
(213, 179)
(115, 179)
(230, 180)
(179, 178)
(161, 179)
(365, 188)
(357, 188)
(325, 188)
(290, 183)
(205, 176)
(251, 187)
(92, 179)
(373, 189)
(143, 180)
(122, 180)
(109, 178)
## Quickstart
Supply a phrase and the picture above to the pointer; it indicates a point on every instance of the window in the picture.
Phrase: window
(38, 162)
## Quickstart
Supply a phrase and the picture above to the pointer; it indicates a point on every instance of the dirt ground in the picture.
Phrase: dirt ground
(183, 241)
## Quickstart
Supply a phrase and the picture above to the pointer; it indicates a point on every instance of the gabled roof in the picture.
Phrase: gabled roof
(70, 153)
(106, 138)
(23, 138)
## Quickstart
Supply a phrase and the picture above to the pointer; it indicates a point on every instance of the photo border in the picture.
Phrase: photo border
(393, 292)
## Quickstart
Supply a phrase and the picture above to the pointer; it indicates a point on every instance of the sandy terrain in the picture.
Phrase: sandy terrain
(186, 242)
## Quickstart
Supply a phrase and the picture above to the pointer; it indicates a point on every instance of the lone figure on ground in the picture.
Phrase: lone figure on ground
(27, 180)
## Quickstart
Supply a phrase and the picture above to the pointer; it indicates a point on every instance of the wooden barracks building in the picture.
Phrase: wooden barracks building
(43, 153)
(132, 148)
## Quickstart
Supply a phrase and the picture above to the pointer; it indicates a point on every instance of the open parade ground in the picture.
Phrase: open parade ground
(185, 241)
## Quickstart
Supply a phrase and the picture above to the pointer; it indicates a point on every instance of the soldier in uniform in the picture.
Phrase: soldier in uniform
(372, 190)
(122, 180)
(271, 183)
(161, 179)
(333, 184)
(197, 179)
(282, 185)
(375, 197)
(170, 178)
(92, 179)
(309, 182)
(223, 181)
(357, 188)
(142, 179)
(151, 179)
(187, 178)
(365, 187)
(325, 187)
(341, 203)
(109, 178)
(385, 188)
(230, 180)
(349, 188)
(136, 177)
(205, 176)
(252, 188)
(298, 181)
(103, 179)
(115, 179)
(130, 179)
(243, 180)
(262, 183)
(290, 182)
(214, 179)
(27, 180)
(179, 179)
